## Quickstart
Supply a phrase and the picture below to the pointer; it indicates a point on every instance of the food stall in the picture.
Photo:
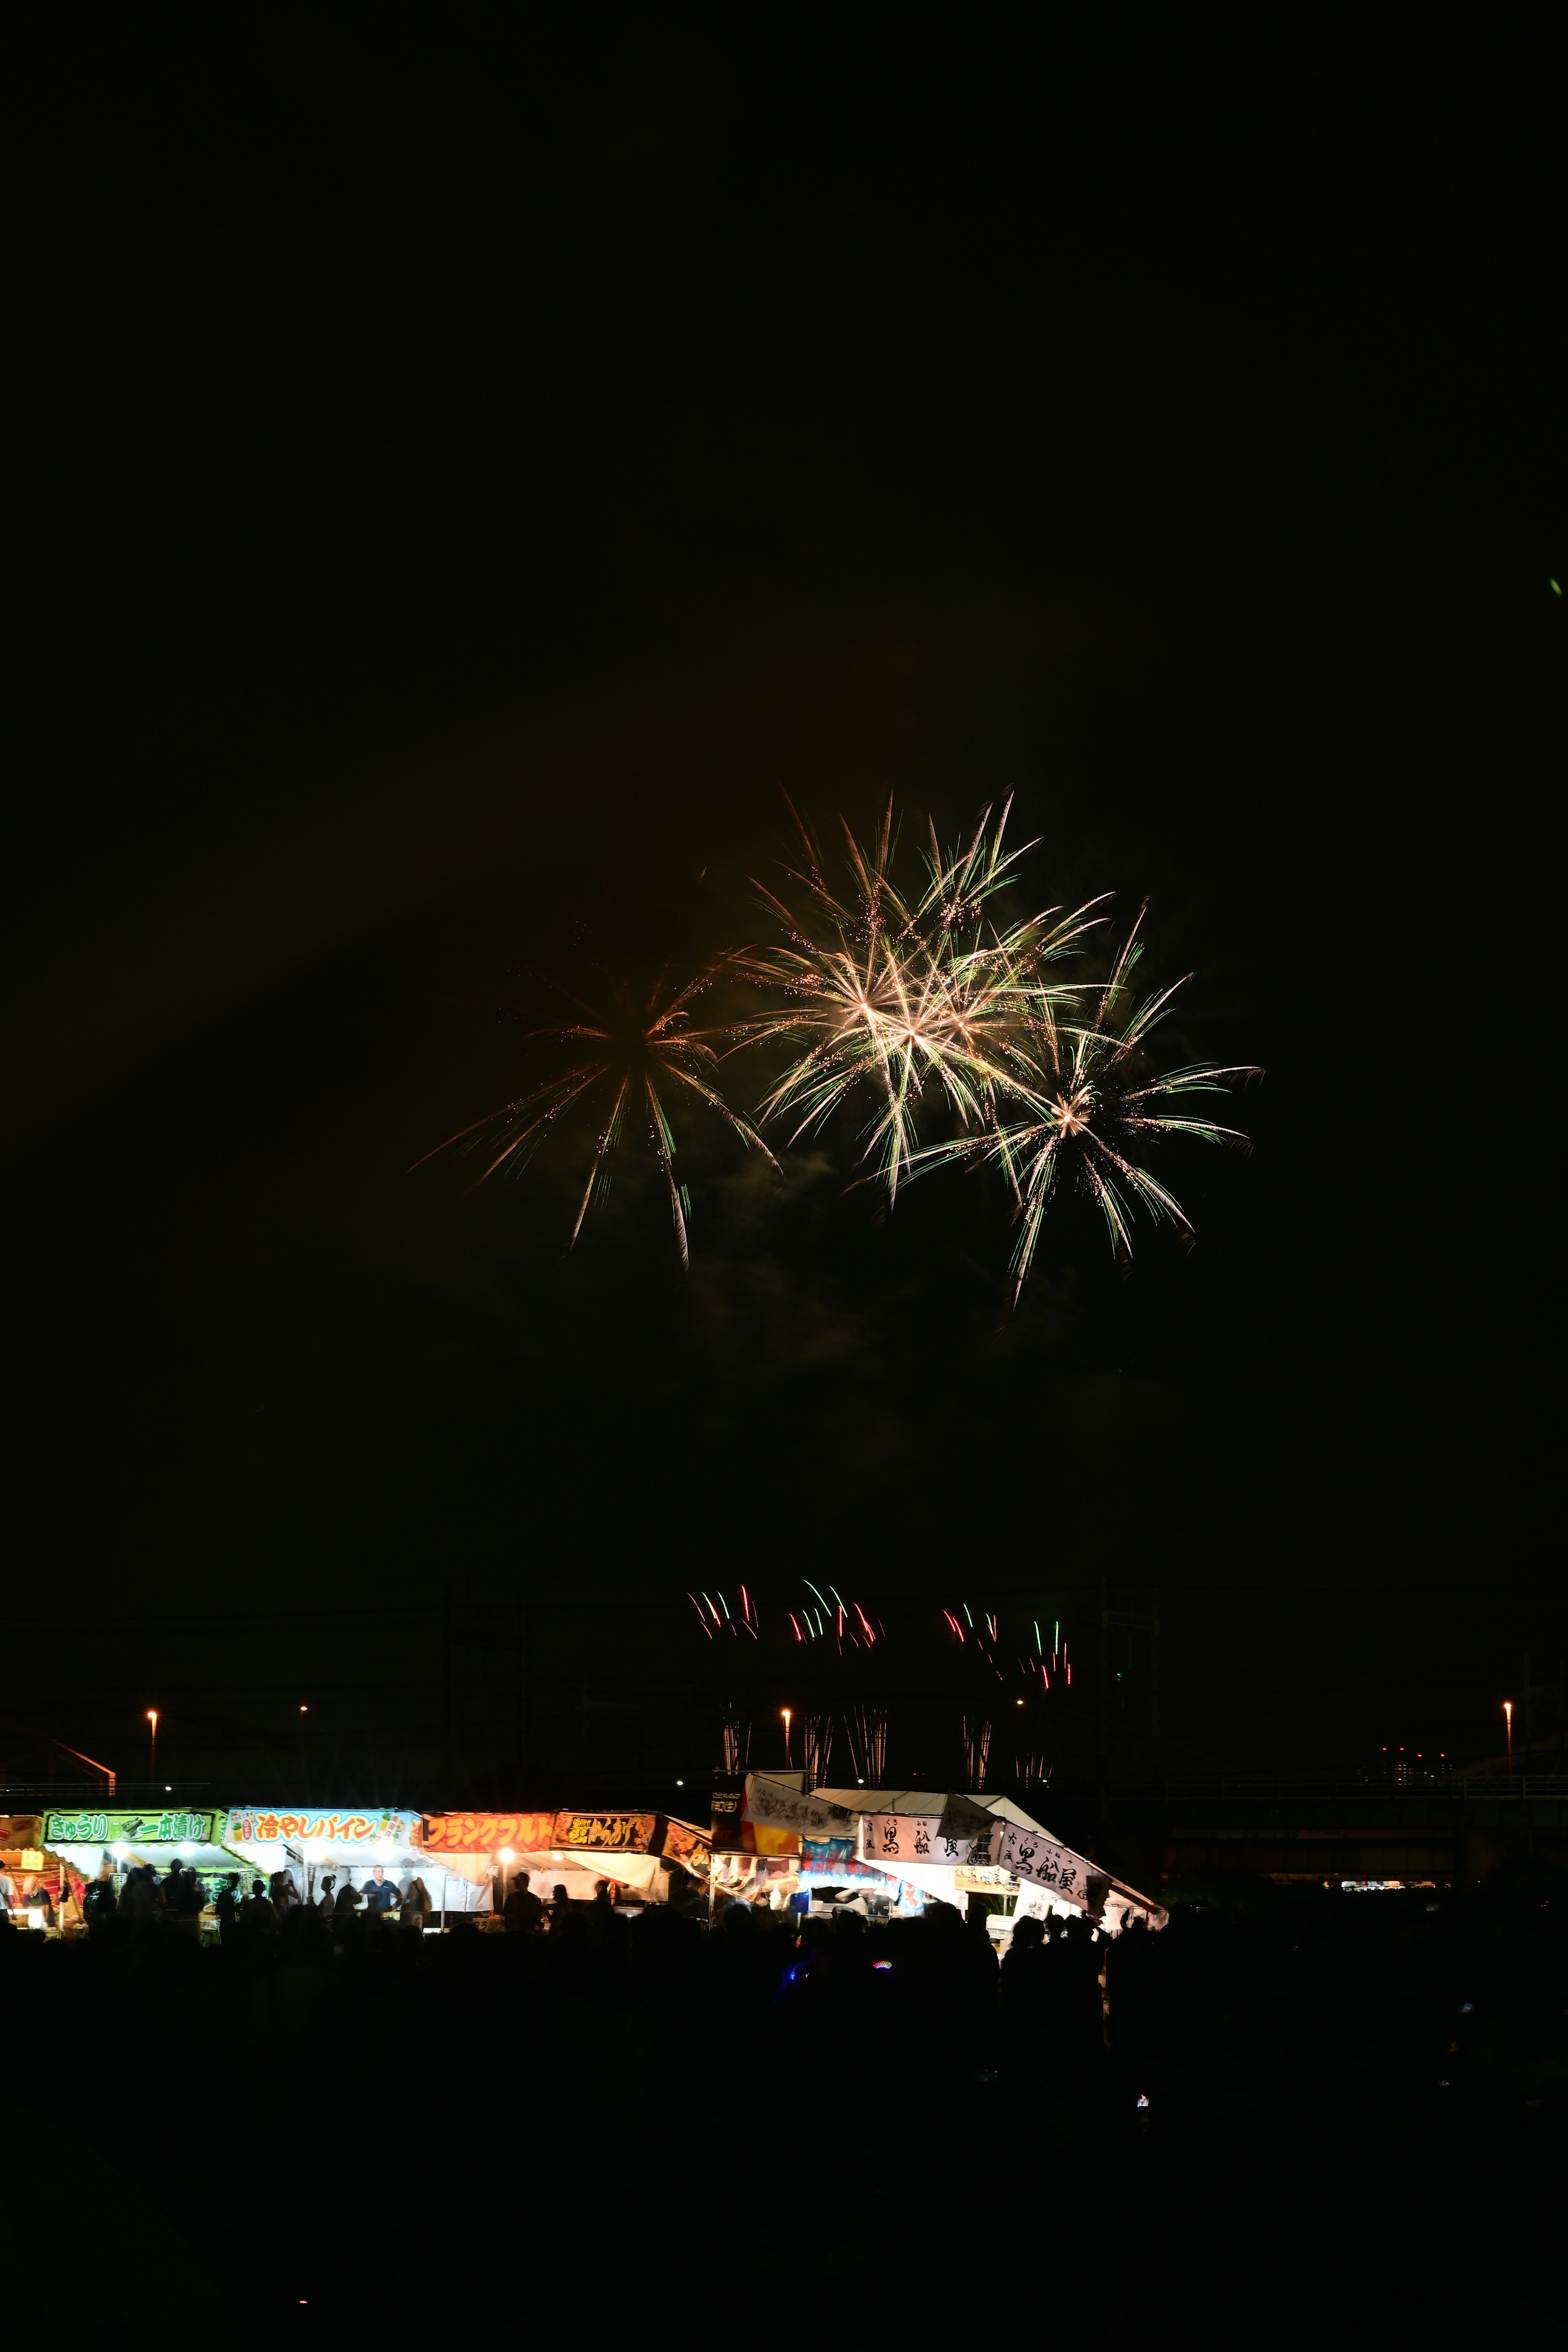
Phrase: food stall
(638, 1852)
(29, 1866)
(926, 1847)
(86, 1837)
(346, 1843)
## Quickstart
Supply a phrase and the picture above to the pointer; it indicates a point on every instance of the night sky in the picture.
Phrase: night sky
(465, 474)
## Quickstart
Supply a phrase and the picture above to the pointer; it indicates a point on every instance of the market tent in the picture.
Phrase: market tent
(637, 1850)
(939, 1843)
(88, 1836)
(579, 1877)
(310, 1841)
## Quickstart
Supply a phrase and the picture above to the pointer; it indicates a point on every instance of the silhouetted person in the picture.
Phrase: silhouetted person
(562, 1908)
(325, 1901)
(258, 1914)
(138, 1902)
(227, 1907)
(415, 1908)
(522, 1911)
(101, 1904)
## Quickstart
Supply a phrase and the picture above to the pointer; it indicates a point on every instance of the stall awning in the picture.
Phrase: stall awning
(906, 1832)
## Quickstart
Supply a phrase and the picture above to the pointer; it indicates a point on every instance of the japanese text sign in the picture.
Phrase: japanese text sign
(488, 1832)
(272, 1825)
(91, 1826)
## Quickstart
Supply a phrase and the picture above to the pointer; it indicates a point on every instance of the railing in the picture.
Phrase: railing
(130, 1796)
(1261, 1788)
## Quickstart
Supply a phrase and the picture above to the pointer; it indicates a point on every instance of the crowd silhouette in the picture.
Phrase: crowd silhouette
(1142, 2120)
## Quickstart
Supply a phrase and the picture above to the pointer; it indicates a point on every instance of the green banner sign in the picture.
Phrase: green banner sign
(174, 1828)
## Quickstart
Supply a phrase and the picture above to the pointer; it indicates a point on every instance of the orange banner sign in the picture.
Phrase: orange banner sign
(488, 1832)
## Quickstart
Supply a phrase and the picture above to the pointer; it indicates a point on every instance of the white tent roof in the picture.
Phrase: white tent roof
(1120, 1899)
(926, 1801)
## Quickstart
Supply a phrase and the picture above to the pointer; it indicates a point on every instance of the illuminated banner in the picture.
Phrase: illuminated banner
(892, 1838)
(774, 1805)
(684, 1844)
(488, 1832)
(605, 1833)
(90, 1827)
(261, 1825)
(1030, 1854)
(24, 1830)
(729, 1796)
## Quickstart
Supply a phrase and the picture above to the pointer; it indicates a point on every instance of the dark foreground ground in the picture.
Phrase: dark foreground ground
(1356, 2128)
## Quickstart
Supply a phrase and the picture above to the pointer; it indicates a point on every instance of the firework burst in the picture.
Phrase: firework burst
(905, 996)
(1083, 1105)
(631, 1055)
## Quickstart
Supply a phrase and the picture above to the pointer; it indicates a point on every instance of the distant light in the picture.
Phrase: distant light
(119, 1851)
(881, 1964)
(1142, 2098)
(507, 1855)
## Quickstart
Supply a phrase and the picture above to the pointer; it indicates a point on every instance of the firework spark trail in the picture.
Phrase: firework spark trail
(1086, 1113)
(895, 996)
(637, 1050)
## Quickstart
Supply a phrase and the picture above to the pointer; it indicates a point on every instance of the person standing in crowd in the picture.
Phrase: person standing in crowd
(139, 1899)
(347, 1901)
(258, 1914)
(382, 1893)
(562, 1911)
(522, 1912)
(415, 1907)
(227, 1907)
(102, 1904)
(326, 1902)
(190, 1902)
(35, 1896)
(175, 1897)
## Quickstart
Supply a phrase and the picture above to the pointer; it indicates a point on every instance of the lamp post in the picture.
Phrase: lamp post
(1507, 1718)
(786, 1712)
(152, 1746)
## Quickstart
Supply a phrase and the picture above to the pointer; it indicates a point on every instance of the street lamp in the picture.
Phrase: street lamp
(1507, 1718)
(153, 1745)
(786, 1712)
